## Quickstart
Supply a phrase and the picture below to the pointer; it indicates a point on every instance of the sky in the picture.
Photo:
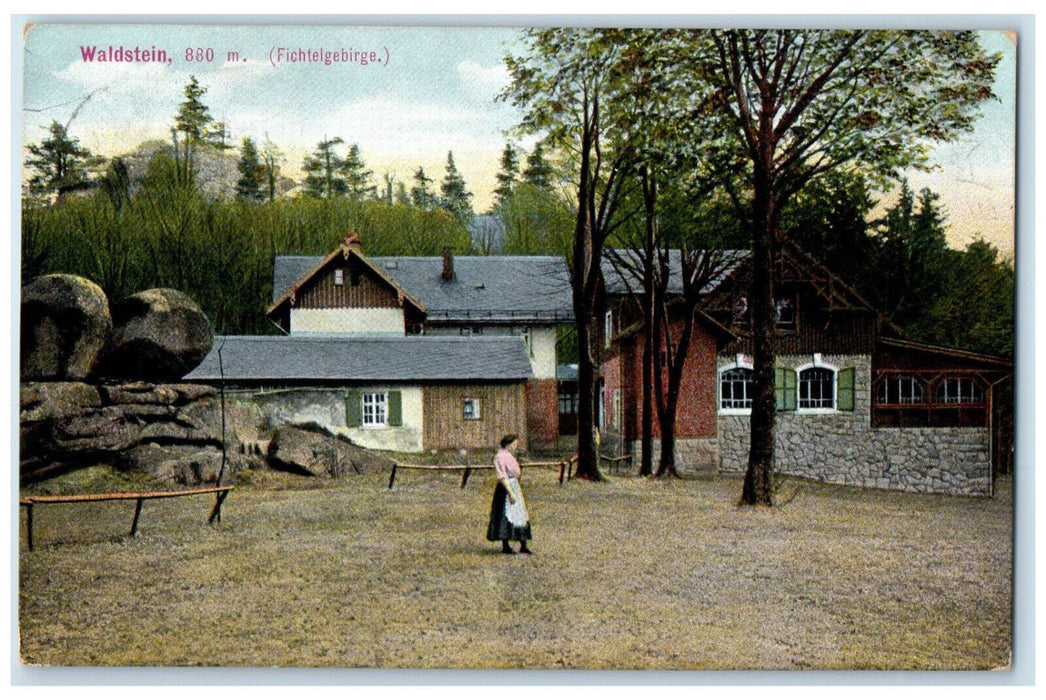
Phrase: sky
(431, 91)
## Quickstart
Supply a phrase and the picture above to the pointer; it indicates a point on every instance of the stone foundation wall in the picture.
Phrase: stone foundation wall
(693, 455)
(841, 446)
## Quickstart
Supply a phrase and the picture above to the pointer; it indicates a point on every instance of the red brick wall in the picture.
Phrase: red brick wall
(542, 413)
(696, 415)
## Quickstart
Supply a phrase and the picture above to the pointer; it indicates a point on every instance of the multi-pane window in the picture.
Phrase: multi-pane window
(817, 388)
(959, 390)
(375, 409)
(567, 402)
(470, 409)
(339, 276)
(900, 389)
(735, 388)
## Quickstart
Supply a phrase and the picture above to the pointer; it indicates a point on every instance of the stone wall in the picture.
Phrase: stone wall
(842, 447)
(693, 455)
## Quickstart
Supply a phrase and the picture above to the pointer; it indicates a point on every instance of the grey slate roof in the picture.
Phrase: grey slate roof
(401, 359)
(485, 288)
(617, 274)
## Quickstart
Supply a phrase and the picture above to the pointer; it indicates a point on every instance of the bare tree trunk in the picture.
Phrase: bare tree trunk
(758, 488)
(646, 461)
(586, 272)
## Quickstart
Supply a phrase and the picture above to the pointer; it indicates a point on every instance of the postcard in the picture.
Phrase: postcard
(453, 347)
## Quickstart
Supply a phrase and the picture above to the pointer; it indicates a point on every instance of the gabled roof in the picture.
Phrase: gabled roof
(622, 270)
(495, 288)
(294, 277)
(341, 359)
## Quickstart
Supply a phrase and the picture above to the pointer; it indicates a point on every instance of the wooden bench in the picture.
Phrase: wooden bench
(216, 512)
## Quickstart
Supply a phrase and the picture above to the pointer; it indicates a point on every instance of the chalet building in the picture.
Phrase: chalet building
(453, 322)
(856, 403)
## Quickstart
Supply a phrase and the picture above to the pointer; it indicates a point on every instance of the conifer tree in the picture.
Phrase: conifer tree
(357, 177)
(324, 170)
(251, 184)
(537, 172)
(507, 176)
(272, 156)
(59, 162)
(421, 193)
(455, 197)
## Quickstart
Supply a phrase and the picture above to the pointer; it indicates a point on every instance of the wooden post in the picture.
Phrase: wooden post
(392, 477)
(562, 470)
(137, 513)
(29, 523)
(468, 468)
(216, 511)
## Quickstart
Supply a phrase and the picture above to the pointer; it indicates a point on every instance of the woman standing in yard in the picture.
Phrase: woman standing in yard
(508, 511)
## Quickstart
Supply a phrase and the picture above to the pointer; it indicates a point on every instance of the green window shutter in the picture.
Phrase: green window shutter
(844, 393)
(395, 408)
(353, 408)
(784, 389)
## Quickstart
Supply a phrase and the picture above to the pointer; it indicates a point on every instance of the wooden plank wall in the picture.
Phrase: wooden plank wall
(371, 293)
(502, 411)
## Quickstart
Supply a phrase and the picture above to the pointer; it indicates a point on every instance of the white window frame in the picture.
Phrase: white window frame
(962, 398)
(901, 384)
(339, 277)
(378, 414)
(465, 413)
(816, 364)
(608, 327)
(739, 363)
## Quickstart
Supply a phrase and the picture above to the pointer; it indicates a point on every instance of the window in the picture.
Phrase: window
(784, 312)
(735, 389)
(529, 340)
(375, 409)
(617, 416)
(959, 390)
(567, 402)
(900, 389)
(816, 388)
(470, 409)
(608, 328)
(339, 277)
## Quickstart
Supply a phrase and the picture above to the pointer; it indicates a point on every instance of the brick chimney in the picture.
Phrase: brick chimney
(448, 265)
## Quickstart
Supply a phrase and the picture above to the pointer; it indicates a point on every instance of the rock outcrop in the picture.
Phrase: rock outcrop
(172, 431)
(312, 450)
(65, 326)
(158, 335)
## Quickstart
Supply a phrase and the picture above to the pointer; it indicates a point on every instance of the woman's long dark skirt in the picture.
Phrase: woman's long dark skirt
(500, 528)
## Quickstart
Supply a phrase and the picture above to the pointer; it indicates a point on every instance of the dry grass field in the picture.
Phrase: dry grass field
(631, 574)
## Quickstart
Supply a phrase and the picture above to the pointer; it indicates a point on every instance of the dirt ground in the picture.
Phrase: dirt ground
(630, 574)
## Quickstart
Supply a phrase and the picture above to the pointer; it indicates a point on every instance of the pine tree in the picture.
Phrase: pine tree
(251, 185)
(387, 192)
(537, 172)
(507, 176)
(193, 121)
(455, 198)
(272, 156)
(325, 170)
(357, 178)
(60, 162)
(421, 193)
